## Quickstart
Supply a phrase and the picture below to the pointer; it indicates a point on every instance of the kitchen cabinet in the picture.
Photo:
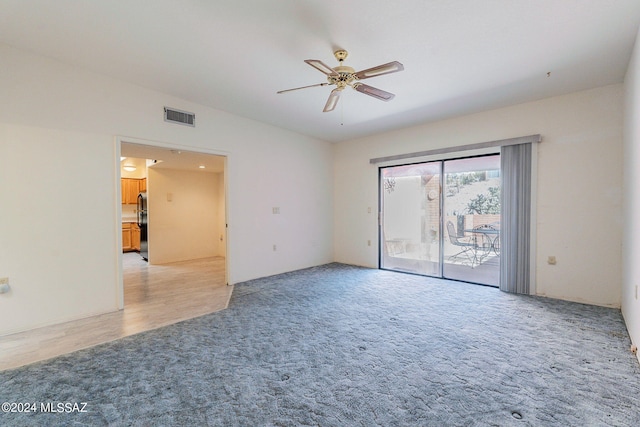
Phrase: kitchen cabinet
(130, 237)
(135, 237)
(143, 184)
(126, 237)
(124, 186)
(130, 190)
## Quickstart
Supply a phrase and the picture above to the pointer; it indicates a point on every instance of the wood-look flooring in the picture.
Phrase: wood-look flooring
(154, 296)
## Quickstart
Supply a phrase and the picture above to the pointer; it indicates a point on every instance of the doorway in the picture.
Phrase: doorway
(442, 219)
(187, 234)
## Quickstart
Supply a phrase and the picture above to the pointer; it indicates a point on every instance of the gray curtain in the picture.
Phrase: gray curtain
(515, 221)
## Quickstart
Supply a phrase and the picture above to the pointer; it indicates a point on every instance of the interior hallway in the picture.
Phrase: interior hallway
(154, 295)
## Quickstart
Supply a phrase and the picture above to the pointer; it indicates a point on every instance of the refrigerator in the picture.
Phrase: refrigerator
(142, 224)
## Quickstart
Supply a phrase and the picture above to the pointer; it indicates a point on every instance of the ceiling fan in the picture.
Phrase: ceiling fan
(343, 76)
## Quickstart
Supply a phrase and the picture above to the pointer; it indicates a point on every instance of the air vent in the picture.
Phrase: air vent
(180, 117)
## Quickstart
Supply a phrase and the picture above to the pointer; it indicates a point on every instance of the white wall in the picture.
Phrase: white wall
(58, 144)
(631, 197)
(578, 186)
(183, 215)
(57, 229)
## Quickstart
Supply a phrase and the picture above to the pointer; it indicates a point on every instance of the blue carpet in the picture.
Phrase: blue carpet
(338, 345)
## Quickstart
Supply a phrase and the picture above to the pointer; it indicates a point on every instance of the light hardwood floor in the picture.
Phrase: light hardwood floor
(154, 295)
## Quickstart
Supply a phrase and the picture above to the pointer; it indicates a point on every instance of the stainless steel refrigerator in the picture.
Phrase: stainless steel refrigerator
(142, 224)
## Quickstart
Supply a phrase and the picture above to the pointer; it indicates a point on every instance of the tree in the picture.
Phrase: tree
(486, 204)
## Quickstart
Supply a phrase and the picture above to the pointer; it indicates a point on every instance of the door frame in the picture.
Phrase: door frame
(118, 140)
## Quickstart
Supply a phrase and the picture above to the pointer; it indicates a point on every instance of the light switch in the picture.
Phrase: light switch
(4, 285)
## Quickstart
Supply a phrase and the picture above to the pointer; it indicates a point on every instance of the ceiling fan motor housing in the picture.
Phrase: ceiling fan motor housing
(346, 76)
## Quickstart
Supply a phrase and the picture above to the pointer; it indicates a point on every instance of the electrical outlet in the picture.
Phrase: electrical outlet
(275, 210)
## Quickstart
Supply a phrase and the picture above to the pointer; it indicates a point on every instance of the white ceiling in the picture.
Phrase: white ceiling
(460, 56)
(174, 159)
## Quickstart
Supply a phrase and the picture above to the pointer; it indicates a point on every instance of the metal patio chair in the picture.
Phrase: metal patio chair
(467, 248)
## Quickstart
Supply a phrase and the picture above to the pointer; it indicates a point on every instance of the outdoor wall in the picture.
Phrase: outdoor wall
(58, 149)
(631, 197)
(579, 180)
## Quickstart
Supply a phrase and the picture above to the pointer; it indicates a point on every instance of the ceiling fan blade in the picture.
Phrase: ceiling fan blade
(375, 92)
(302, 87)
(334, 96)
(391, 67)
(321, 66)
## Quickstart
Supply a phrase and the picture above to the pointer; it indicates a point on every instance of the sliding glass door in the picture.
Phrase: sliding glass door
(453, 233)
(471, 214)
(410, 220)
